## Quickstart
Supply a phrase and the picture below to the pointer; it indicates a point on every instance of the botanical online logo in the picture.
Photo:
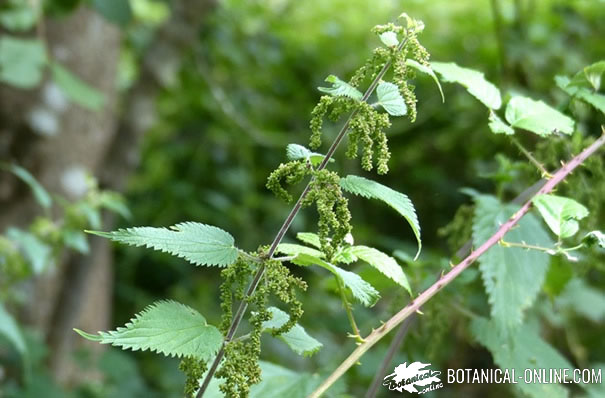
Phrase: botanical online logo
(413, 378)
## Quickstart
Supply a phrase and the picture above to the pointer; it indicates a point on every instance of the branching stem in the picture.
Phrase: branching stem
(347, 305)
(531, 158)
(284, 228)
(414, 305)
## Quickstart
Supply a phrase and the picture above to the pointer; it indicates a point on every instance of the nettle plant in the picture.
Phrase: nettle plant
(217, 362)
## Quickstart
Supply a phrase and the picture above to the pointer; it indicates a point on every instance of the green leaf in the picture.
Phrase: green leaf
(537, 117)
(398, 201)
(384, 263)
(41, 195)
(21, 61)
(361, 290)
(512, 276)
(75, 89)
(429, 71)
(590, 76)
(277, 382)
(10, 329)
(296, 338)
(296, 152)
(76, 240)
(200, 244)
(582, 299)
(165, 327)
(523, 349)
(37, 253)
(474, 81)
(581, 93)
(390, 99)
(19, 17)
(497, 126)
(292, 249)
(116, 11)
(340, 89)
(309, 238)
(594, 238)
(389, 39)
(560, 213)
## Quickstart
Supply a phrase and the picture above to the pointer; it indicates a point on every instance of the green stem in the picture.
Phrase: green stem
(347, 305)
(531, 158)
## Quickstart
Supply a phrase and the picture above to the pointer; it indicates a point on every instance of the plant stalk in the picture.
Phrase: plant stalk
(284, 228)
(444, 280)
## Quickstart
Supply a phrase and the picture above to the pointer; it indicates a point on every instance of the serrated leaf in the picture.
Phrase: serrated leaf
(21, 61)
(384, 263)
(340, 89)
(390, 99)
(37, 253)
(560, 213)
(497, 125)
(361, 290)
(41, 195)
(398, 201)
(296, 152)
(582, 299)
(165, 327)
(10, 330)
(537, 117)
(200, 244)
(296, 338)
(389, 39)
(309, 238)
(292, 249)
(594, 238)
(523, 349)
(474, 81)
(427, 70)
(512, 276)
(75, 89)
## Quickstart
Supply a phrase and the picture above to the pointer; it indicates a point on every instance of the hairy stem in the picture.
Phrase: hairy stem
(444, 280)
(347, 305)
(531, 158)
(284, 228)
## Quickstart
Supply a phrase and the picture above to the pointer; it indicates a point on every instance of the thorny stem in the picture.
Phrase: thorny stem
(444, 280)
(531, 158)
(284, 228)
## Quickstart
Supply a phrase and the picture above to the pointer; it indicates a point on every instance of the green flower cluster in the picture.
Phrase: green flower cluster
(240, 368)
(194, 370)
(367, 127)
(292, 173)
(332, 207)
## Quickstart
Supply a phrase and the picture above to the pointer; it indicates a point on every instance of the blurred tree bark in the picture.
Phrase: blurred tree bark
(78, 291)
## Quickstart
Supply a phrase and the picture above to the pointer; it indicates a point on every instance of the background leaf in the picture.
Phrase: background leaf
(10, 329)
(166, 327)
(116, 11)
(537, 117)
(512, 276)
(21, 61)
(200, 244)
(523, 349)
(427, 70)
(398, 201)
(474, 81)
(42, 196)
(75, 89)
